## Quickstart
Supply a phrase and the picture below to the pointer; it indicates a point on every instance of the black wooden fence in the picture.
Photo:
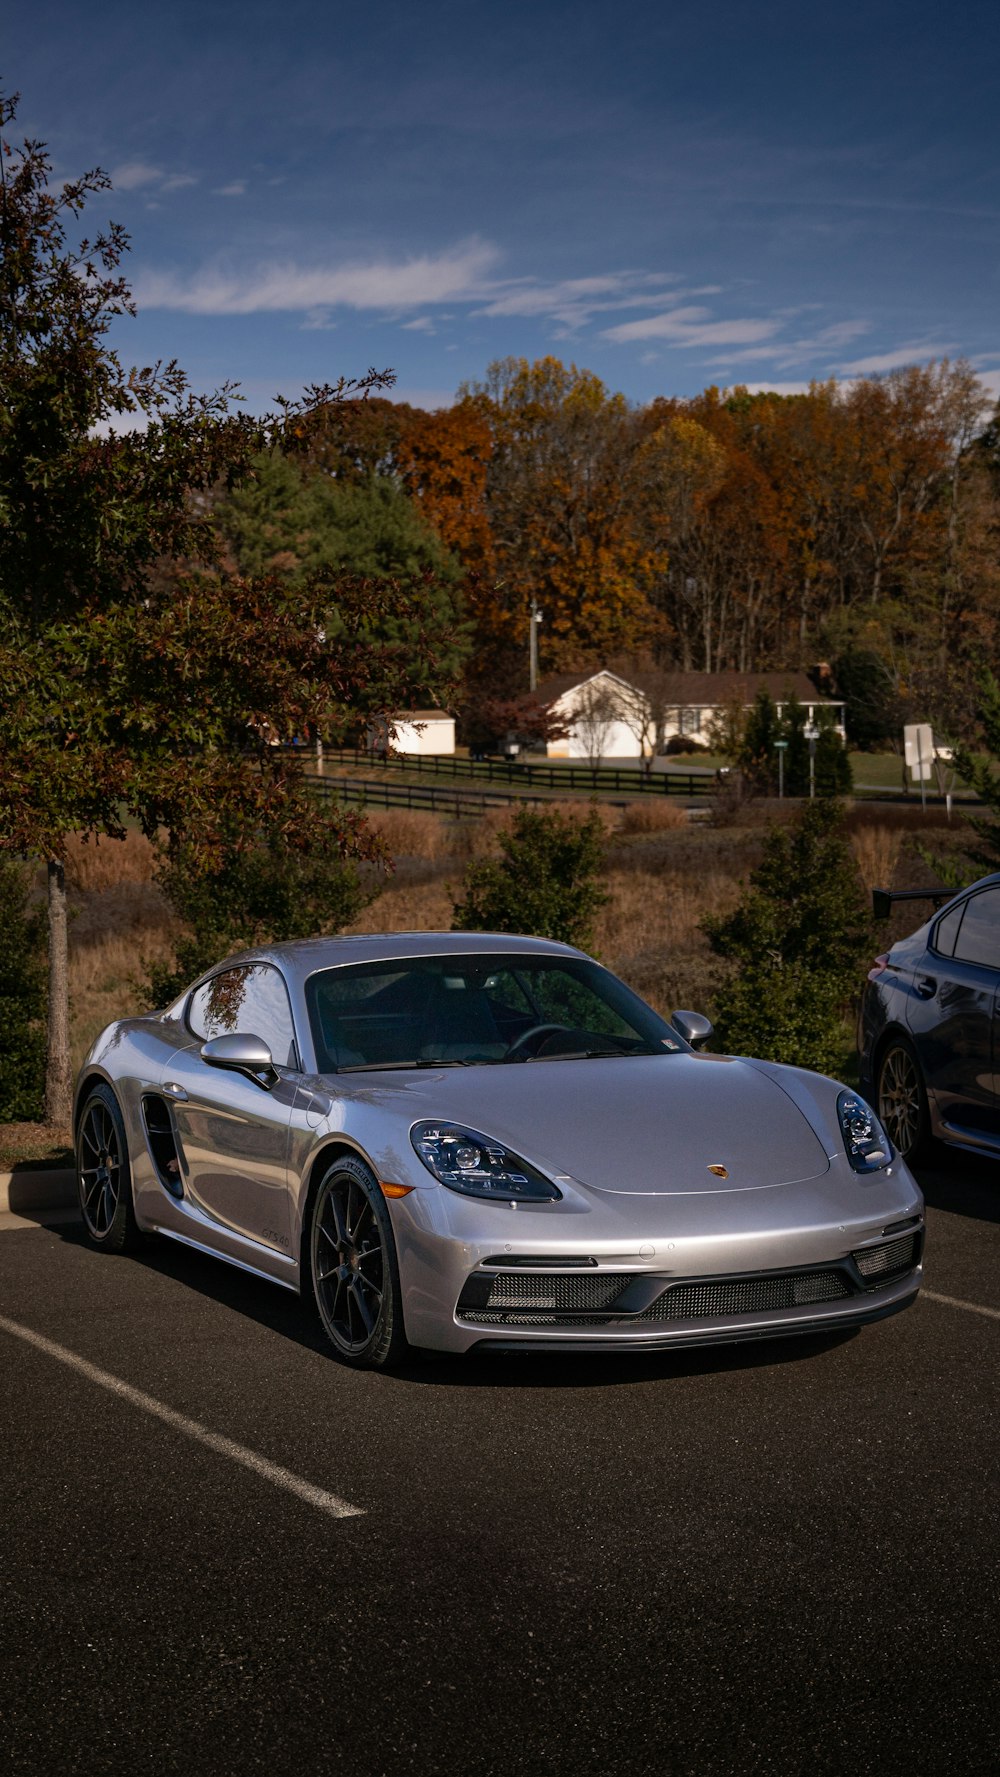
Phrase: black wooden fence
(627, 780)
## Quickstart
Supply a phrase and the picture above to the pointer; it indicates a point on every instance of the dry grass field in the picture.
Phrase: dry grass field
(664, 874)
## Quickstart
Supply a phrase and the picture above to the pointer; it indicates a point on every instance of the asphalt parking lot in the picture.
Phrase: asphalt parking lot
(244, 1558)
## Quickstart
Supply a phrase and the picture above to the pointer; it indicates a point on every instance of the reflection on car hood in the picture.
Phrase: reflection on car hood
(645, 1125)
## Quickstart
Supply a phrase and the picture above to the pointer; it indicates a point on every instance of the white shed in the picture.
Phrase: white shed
(423, 731)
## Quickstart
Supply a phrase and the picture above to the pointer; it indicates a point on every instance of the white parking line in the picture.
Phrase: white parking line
(955, 1302)
(268, 1471)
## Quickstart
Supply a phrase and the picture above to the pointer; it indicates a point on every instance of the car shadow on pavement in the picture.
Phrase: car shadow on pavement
(965, 1184)
(291, 1318)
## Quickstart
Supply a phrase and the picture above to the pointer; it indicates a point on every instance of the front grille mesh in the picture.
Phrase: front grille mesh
(540, 1298)
(879, 1261)
(747, 1295)
(570, 1294)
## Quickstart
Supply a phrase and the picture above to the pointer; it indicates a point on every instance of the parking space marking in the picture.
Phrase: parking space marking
(956, 1302)
(190, 1428)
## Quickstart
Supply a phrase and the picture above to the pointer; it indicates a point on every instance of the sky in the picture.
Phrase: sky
(670, 194)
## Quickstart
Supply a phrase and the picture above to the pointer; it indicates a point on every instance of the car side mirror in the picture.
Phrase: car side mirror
(243, 1054)
(693, 1027)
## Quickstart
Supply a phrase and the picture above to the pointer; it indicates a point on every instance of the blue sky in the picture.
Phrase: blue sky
(670, 194)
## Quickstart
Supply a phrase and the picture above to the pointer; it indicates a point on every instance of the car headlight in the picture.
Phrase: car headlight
(868, 1146)
(476, 1166)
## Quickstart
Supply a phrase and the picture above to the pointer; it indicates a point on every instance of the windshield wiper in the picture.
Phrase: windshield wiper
(384, 1067)
(587, 1054)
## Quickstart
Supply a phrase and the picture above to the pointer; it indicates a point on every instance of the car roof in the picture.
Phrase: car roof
(304, 956)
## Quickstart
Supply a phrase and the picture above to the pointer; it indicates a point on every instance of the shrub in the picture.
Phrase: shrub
(264, 894)
(798, 939)
(544, 882)
(22, 998)
(653, 816)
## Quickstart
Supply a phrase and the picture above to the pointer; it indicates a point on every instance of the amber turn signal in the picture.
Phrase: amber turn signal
(388, 1190)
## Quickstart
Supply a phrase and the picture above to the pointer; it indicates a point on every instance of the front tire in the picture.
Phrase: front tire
(355, 1273)
(902, 1100)
(103, 1174)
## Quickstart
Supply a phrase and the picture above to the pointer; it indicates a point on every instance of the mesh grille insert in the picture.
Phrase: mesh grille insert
(554, 1292)
(747, 1295)
(880, 1261)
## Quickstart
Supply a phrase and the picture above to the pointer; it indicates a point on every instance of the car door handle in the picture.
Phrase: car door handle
(177, 1093)
(926, 986)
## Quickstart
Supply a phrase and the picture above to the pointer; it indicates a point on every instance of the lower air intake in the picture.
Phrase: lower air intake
(571, 1294)
(748, 1295)
(880, 1262)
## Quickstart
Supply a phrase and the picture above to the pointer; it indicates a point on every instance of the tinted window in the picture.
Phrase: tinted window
(944, 937)
(252, 999)
(979, 937)
(475, 1009)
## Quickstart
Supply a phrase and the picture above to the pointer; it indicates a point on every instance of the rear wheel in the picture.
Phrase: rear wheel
(355, 1273)
(104, 1177)
(902, 1100)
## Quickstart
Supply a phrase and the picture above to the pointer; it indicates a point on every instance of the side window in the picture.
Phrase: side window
(251, 998)
(947, 930)
(979, 938)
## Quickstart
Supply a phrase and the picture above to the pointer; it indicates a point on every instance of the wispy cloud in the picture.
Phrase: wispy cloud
(693, 326)
(382, 284)
(422, 324)
(917, 352)
(572, 302)
(237, 188)
(131, 175)
(139, 175)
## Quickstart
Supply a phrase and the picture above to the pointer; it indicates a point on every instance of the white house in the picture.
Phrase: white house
(610, 717)
(418, 731)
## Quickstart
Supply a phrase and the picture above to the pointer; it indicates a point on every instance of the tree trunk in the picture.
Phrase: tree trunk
(58, 1095)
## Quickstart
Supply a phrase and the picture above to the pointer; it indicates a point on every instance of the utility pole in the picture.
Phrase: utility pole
(533, 622)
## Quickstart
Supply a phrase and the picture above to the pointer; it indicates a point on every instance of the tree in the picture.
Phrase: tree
(22, 997)
(257, 893)
(756, 757)
(596, 711)
(122, 695)
(545, 881)
(798, 941)
(294, 520)
(488, 722)
(983, 777)
(570, 522)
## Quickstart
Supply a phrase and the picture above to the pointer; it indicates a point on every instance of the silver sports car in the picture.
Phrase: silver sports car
(458, 1141)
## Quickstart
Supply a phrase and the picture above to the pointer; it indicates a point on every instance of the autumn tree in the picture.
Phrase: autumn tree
(563, 489)
(119, 699)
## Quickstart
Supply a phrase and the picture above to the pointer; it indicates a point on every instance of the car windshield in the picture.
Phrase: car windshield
(477, 1010)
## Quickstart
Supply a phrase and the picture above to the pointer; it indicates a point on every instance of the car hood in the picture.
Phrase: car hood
(636, 1125)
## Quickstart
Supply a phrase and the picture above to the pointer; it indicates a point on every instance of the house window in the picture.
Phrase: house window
(690, 720)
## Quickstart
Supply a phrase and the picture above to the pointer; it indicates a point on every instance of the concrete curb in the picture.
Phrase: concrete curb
(24, 1190)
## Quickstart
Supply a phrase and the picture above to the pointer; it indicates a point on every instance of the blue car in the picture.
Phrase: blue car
(929, 1033)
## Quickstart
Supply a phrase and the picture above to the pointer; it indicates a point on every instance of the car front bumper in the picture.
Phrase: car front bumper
(577, 1276)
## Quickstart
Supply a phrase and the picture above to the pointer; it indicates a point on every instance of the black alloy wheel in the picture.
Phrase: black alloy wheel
(902, 1100)
(354, 1270)
(104, 1177)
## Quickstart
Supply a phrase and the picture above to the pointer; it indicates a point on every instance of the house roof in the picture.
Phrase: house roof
(709, 689)
(694, 690)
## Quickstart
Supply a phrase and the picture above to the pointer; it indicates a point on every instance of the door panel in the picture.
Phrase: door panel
(955, 1030)
(233, 1136)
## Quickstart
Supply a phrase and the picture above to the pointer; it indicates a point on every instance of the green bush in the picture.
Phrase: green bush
(264, 894)
(22, 998)
(799, 940)
(545, 881)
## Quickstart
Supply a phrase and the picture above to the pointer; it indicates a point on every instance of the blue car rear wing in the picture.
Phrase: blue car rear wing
(882, 899)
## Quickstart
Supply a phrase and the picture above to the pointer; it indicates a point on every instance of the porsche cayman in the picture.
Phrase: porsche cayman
(462, 1141)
